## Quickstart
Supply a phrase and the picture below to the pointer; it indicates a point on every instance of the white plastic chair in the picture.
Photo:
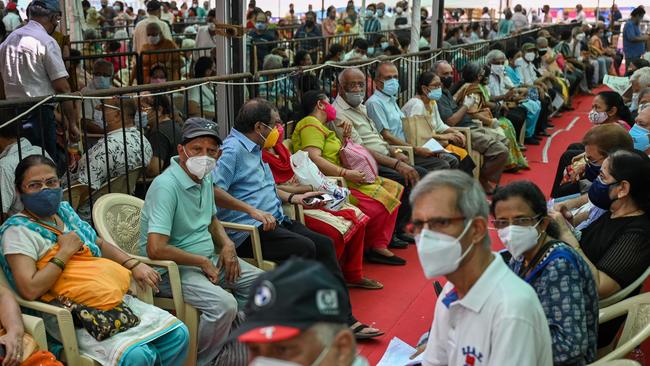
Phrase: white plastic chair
(623, 293)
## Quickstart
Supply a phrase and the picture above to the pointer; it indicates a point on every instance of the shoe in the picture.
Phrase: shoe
(405, 237)
(543, 133)
(550, 125)
(375, 257)
(531, 141)
(397, 243)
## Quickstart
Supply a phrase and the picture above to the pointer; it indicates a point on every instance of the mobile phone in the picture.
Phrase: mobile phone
(313, 200)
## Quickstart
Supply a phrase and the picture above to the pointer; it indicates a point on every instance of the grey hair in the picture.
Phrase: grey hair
(343, 73)
(542, 40)
(102, 63)
(643, 92)
(493, 55)
(642, 76)
(438, 63)
(326, 332)
(272, 62)
(470, 198)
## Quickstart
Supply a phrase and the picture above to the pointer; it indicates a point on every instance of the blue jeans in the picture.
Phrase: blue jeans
(169, 350)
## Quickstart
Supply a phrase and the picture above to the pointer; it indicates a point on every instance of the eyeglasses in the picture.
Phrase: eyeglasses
(436, 223)
(596, 162)
(36, 185)
(518, 221)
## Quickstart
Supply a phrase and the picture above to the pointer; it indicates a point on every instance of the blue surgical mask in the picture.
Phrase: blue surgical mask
(380, 12)
(640, 137)
(391, 87)
(141, 122)
(102, 82)
(384, 45)
(371, 51)
(260, 26)
(369, 13)
(599, 194)
(44, 203)
(435, 94)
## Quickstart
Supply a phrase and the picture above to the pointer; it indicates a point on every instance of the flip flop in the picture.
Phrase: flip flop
(358, 334)
(366, 283)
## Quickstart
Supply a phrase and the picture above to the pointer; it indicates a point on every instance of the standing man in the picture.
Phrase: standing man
(179, 223)
(580, 14)
(12, 19)
(495, 153)
(633, 40)
(309, 30)
(485, 314)
(32, 66)
(519, 20)
(387, 22)
(107, 12)
(153, 16)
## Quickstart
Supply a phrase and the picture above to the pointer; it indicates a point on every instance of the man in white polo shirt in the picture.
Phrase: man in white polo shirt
(485, 314)
(32, 66)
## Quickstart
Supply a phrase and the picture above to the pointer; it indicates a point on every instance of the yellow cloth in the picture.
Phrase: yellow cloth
(92, 281)
(310, 132)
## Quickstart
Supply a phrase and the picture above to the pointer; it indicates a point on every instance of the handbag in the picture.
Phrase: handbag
(356, 157)
(417, 129)
(100, 324)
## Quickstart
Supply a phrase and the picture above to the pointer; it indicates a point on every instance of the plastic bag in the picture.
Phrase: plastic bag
(307, 173)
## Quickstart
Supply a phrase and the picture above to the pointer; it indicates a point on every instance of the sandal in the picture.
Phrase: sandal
(359, 334)
(367, 283)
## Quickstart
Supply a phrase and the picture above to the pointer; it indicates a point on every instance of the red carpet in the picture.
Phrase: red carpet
(404, 308)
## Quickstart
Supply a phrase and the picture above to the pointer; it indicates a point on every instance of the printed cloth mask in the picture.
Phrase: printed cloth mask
(597, 118)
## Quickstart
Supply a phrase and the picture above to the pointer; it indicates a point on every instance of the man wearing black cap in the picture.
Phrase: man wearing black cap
(296, 315)
(32, 66)
(178, 223)
(153, 16)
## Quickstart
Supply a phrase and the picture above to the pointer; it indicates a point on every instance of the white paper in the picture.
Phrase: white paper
(399, 353)
(617, 83)
(434, 146)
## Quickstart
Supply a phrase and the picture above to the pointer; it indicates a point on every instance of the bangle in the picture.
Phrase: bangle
(137, 262)
(58, 262)
(291, 197)
(396, 164)
(126, 261)
(343, 171)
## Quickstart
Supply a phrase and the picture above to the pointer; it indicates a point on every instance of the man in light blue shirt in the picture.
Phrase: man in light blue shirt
(178, 223)
(245, 193)
(385, 113)
(633, 41)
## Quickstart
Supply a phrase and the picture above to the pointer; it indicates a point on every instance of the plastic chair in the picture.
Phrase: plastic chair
(117, 220)
(475, 155)
(636, 328)
(622, 294)
(35, 327)
(619, 363)
(65, 325)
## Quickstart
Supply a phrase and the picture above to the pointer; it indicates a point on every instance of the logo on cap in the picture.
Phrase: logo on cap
(327, 302)
(264, 294)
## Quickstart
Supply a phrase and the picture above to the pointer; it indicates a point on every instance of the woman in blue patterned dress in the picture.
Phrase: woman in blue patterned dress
(561, 278)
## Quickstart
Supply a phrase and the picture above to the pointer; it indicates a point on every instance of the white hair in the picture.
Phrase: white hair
(470, 198)
(493, 55)
(272, 62)
(642, 76)
(326, 332)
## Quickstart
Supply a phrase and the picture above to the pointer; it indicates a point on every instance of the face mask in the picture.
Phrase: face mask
(519, 239)
(497, 69)
(542, 51)
(640, 137)
(102, 82)
(280, 130)
(440, 254)
(354, 99)
(141, 122)
(635, 102)
(117, 8)
(599, 194)
(591, 171)
(271, 139)
(597, 117)
(447, 81)
(98, 117)
(380, 12)
(330, 112)
(157, 80)
(384, 45)
(399, 10)
(154, 39)
(369, 13)
(309, 23)
(435, 94)
(608, 34)
(391, 87)
(44, 203)
(371, 50)
(199, 166)
(260, 26)
(529, 56)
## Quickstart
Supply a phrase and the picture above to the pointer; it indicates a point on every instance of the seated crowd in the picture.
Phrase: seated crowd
(361, 173)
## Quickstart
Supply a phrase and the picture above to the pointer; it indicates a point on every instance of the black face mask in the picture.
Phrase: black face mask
(285, 62)
(542, 53)
(447, 81)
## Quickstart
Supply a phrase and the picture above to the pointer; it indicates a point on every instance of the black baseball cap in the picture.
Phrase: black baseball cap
(288, 300)
(198, 127)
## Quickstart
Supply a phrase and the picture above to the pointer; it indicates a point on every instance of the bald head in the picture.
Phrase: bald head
(351, 81)
(385, 70)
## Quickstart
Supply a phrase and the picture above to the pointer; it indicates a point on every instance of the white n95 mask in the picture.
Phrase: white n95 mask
(440, 254)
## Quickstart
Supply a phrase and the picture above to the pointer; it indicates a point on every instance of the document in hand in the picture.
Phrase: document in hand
(617, 83)
(399, 353)
(434, 146)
